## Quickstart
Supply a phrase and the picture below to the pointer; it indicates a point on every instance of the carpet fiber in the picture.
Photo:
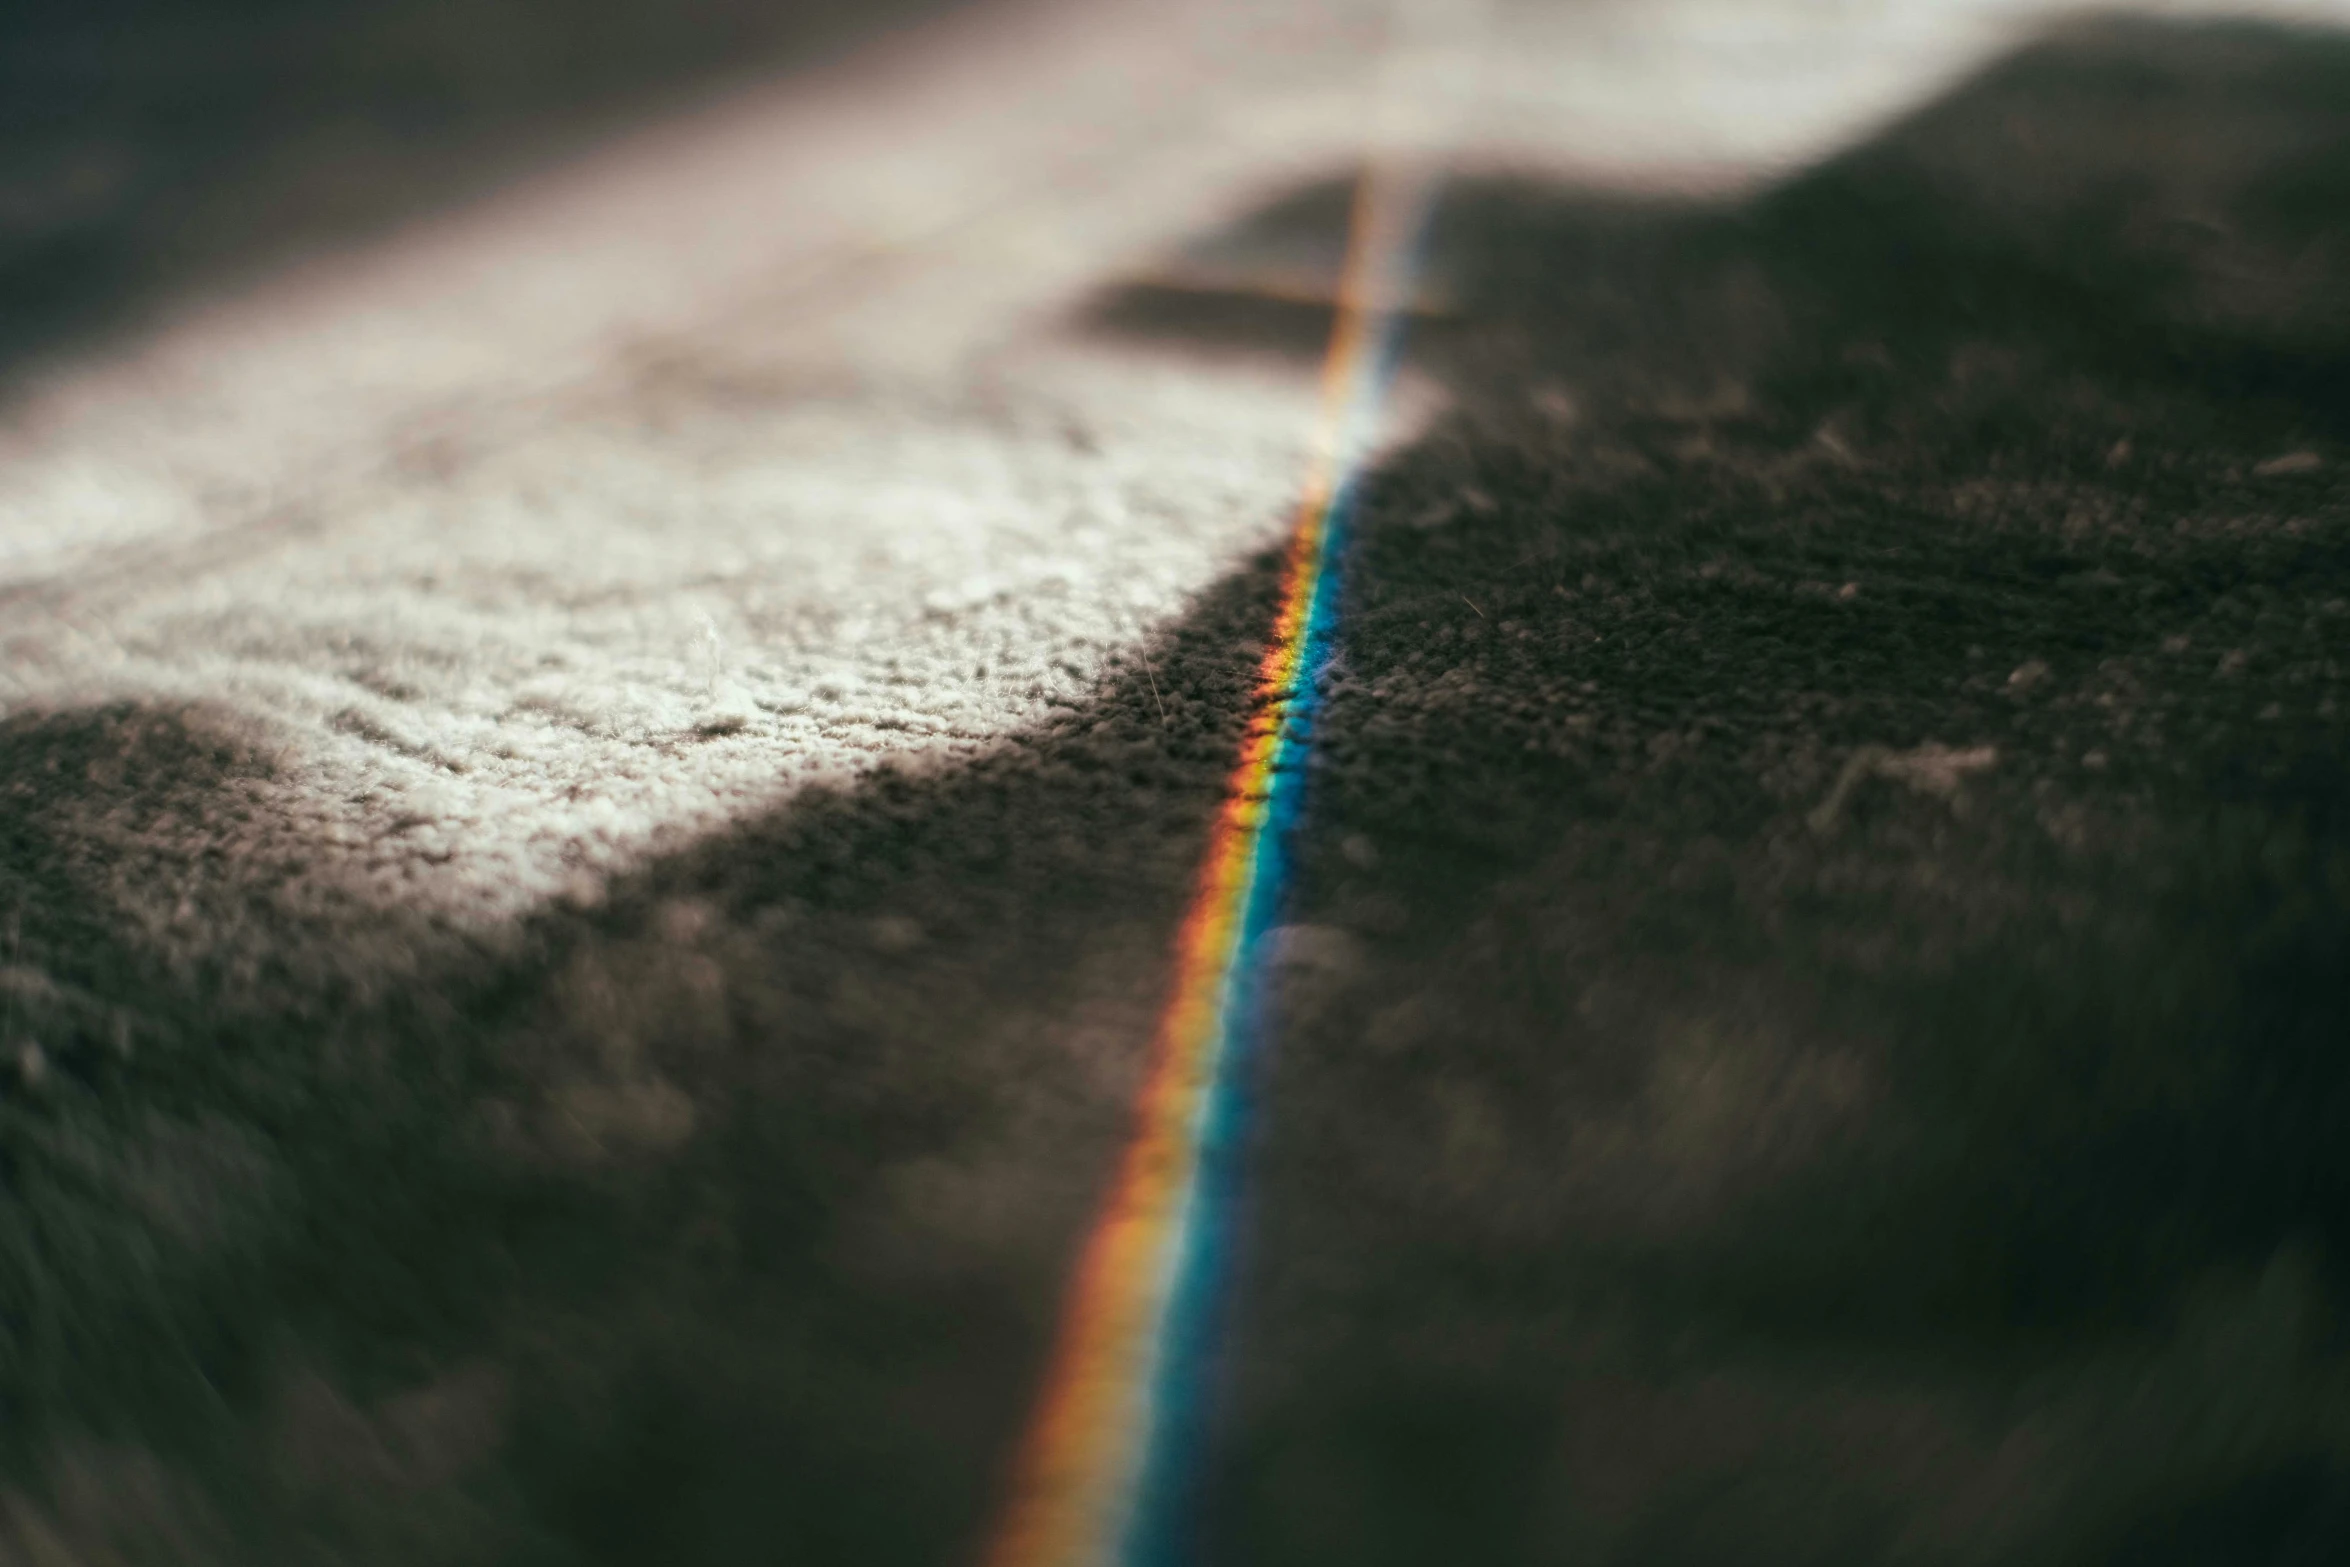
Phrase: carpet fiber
(596, 796)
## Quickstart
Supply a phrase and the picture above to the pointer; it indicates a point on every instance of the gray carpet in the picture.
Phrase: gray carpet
(598, 788)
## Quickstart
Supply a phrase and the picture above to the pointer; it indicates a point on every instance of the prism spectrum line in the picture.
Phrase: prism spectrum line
(1105, 1470)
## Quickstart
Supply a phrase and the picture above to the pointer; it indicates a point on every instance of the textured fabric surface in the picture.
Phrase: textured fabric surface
(594, 797)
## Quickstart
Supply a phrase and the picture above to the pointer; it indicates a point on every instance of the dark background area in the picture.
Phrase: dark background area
(147, 146)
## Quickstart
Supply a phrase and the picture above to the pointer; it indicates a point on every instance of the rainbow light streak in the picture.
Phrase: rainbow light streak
(1106, 1474)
